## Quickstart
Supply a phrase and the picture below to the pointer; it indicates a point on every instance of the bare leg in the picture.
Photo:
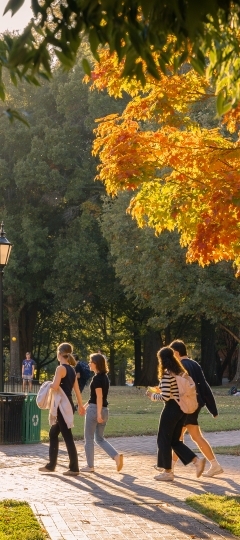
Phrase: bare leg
(203, 445)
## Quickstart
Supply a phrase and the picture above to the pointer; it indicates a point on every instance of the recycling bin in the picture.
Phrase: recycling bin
(31, 420)
(20, 418)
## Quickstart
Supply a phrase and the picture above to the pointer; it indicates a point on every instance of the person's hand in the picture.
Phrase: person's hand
(148, 393)
(81, 410)
(100, 420)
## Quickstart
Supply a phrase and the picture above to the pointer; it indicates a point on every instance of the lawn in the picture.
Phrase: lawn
(222, 509)
(17, 522)
(132, 413)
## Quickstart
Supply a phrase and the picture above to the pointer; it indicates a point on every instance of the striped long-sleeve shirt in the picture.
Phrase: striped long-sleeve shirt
(168, 387)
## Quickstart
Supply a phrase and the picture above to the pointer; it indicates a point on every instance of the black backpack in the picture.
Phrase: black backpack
(85, 373)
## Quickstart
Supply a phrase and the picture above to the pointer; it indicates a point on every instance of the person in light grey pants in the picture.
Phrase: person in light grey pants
(97, 414)
(94, 432)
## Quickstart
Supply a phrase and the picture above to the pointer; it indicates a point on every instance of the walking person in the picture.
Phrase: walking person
(28, 366)
(64, 381)
(97, 414)
(172, 418)
(204, 397)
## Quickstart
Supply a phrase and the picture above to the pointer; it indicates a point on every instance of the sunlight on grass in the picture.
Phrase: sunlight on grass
(224, 510)
(17, 522)
(131, 413)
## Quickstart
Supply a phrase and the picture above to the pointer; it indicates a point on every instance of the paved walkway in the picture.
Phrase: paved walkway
(111, 505)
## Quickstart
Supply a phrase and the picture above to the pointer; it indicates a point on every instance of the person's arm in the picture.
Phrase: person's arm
(165, 386)
(33, 368)
(206, 392)
(99, 395)
(22, 370)
(78, 371)
(59, 374)
(81, 408)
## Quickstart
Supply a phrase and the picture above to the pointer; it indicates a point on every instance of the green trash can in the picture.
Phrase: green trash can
(31, 420)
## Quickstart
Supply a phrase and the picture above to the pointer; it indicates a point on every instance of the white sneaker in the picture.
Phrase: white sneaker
(200, 464)
(165, 477)
(87, 469)
(214, 469)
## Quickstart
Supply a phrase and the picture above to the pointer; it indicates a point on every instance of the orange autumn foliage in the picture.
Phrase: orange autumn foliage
(184, 177)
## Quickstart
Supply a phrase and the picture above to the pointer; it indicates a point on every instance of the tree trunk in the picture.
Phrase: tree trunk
(27, 322)
(112, 365)
(137, 358)
(13, 315)
(151, 344)
(208, 352)
(236, 378)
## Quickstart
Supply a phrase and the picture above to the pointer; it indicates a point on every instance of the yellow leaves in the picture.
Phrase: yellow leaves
(185, 177)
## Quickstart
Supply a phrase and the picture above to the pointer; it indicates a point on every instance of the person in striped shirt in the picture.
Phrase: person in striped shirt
(172, 418)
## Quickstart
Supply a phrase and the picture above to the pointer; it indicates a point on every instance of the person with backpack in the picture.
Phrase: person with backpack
(204, 397)
(172, 418)
(83, 372)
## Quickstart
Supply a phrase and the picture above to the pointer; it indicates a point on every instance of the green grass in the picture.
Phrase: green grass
(227, 450)
(17, 522)
(224, 510)
(132, 413)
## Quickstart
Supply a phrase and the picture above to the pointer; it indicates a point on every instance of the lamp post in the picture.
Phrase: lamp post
(5, 250)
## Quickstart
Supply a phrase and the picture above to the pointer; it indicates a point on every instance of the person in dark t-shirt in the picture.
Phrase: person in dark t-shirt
(97, 414)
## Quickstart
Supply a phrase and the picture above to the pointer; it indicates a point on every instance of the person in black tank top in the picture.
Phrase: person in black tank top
(65, 378)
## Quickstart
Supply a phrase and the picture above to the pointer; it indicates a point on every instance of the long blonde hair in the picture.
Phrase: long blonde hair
(66, 350)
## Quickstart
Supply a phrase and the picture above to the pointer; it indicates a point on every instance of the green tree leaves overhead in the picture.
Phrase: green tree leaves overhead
(155, 31)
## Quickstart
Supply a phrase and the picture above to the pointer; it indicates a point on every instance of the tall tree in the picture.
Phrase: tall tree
(178, 296)
(153, 32)
(185, 176)
(60, 283)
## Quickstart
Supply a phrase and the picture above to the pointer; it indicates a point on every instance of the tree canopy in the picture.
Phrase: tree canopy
(184, 172)
(152, 33)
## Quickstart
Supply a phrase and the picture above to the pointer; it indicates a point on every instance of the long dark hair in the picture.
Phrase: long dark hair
(100, 361)
(167, 361)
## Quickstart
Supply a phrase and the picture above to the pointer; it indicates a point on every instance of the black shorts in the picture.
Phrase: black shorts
(192, 418)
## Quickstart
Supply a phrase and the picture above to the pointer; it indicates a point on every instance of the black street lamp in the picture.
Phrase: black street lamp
(5, 250)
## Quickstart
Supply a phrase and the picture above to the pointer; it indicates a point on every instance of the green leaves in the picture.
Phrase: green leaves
(14, 6)
(207, 32)
(15, 115)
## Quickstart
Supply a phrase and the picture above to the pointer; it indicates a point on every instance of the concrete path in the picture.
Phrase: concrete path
(110, 505)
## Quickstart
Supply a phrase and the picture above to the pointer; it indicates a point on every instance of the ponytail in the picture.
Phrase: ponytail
(66, 350)
(71, 360)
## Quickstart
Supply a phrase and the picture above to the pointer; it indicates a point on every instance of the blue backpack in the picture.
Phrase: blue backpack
(85, 373)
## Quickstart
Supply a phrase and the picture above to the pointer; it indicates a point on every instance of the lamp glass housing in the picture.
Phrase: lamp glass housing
(5, 250)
